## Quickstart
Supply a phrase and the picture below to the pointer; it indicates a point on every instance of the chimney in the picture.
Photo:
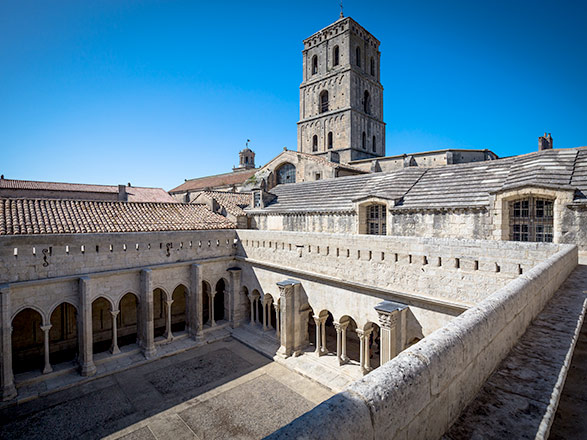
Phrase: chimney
(122, 194)
(545, 142)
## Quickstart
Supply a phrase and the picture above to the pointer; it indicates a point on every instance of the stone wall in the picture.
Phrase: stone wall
(422, 391)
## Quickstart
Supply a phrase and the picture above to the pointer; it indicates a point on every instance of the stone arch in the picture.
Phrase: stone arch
(221, 300)
(27, 340)
(37, 309)
(160, 297)
(179, 308)
(206, 294)
(372, 345)
(352, 346)
(128, 307)
(63, 335)
(102, 323)
(285, 173)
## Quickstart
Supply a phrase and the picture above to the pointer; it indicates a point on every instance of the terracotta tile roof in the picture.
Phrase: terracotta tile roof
(135, 193)
(54, 216)
(219, 180)
(234, 203)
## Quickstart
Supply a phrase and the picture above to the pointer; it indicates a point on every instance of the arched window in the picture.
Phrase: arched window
(329, 140)
(364, 141)
(531, 219)
(315, 143)
(358, 55)
(367, 102)
(314, 65)
(374, 146)
(324, 101)
(286, 174)
(335, 56)
(372, 66)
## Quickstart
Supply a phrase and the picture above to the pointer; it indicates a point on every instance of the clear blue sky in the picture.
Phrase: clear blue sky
(153, 92)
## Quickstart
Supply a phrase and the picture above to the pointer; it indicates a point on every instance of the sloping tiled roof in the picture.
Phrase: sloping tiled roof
(219, 180)
(49, 216)
(233, 202)
(135, 193)
(450, 186)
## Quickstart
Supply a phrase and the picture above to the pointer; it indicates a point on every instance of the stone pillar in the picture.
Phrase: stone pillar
(234, 308)
(288, 317)
(194, 318)
(317, 322)
(257, 310)
(252, 301)
(343, 356)
(367, 366)
(146, 311)
(211, 296)
(85, 333)
(323, 348)
(168, 334)
(387, 335)
(47, 368)
(264, 315)
(277, 319)
(114, 348)
(7, 376)
(361, 335)
(338, 342)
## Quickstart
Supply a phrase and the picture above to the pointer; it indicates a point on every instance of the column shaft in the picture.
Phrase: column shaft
(212, 321)
(146, 318)
(85, 333)
(361, 336)
(47, 368)
(338, 342)
(168, 334)
(317, 322)
(323, 348)
(277, 320)
(114, 348)
(252, 301)
(264, 316)
(344, 356)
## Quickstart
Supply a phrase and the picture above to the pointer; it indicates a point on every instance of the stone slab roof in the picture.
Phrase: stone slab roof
(233, 202)
(451, 186)
(135, 193)
(54, 216)
(218, 180)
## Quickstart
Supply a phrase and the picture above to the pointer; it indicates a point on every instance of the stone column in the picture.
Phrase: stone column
(168, 334)
(367, 367)
(361, 336)
(7, 377)
(264, 303)
(277, 320)
(338, 342)
(211, 296)
(387, 335)
(288, 317)
(194, 305)
(257, 310)
(146, 318)
(85, 333)
(114, 348)
(317, 322)
(343, 327)
(234, 308)
(323, 348)
(47, 368)
(252, 301)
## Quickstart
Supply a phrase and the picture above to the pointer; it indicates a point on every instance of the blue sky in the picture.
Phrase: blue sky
(153, 92)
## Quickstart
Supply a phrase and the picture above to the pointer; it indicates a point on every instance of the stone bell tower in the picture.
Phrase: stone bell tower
(341, 96)
(246, 159)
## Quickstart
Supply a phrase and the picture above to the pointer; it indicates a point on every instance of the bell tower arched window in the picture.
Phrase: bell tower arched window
(364, 141)
(314, 65)
(372, 66)
(358, 56)
(367, 102)
(324, 101)
(329, 140)
(315, 143)
(335, 56)
(531, 219)
(286, 174)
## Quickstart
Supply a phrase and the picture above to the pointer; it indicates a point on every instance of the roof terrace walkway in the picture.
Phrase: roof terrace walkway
(521, 397)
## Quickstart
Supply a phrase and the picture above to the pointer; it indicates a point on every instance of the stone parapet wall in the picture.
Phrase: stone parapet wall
(422, 391)
(34, 257)
(462, 271)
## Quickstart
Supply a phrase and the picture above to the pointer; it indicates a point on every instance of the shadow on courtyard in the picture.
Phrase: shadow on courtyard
(244, 408)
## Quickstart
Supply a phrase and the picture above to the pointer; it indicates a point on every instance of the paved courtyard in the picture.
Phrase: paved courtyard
(222, 390)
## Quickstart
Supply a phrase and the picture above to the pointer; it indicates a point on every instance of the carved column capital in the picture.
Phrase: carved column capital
(46, 328)
(387, 320)
(360, 334)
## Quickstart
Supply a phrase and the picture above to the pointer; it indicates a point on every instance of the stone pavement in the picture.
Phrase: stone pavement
(520, 398)
(221, 390)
